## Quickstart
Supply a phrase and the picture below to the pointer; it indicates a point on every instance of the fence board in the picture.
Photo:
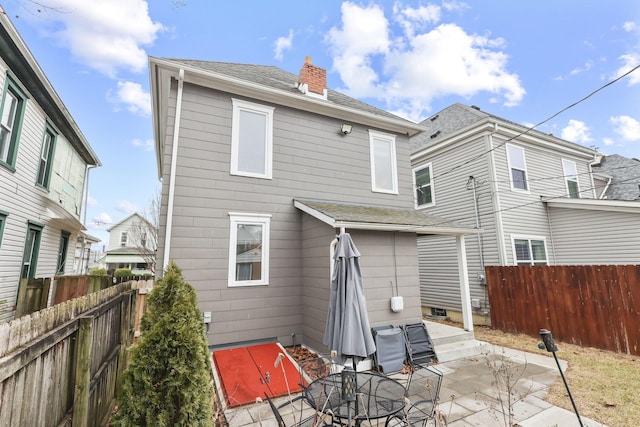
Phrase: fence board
(590, 305)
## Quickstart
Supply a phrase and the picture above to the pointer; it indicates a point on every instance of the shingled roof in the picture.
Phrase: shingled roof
(625, 173)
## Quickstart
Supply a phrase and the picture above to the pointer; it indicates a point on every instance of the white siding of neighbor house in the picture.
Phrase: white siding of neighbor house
(311, 159)
(24, 201)
(583, 237)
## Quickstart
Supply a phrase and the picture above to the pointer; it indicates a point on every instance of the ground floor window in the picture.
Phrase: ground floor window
(62, 252)
(249, 249)
(31, 250)
(529, 251)
(3, 219)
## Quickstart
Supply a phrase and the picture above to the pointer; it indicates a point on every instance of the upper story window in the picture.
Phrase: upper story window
(123, 238)
(11, 112)
(423, 184)
(143, 239)
(251, 139)
(46, 157)
(571, 178)
(529, 251)
(517, 167)
(384, 177)
(249, 249)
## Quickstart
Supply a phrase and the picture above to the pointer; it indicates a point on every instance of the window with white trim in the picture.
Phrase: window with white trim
(11, 113)
(571, 178)
(517, 168)
(529, 250)
(424, 194)
(249, 249)
(46, 157)
(123, 238)
(384, 176)
(251, 139)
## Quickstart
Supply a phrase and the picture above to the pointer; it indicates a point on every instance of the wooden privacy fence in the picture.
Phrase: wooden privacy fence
(70, 287)
(589, 305)
(62, 366)
(33, 295)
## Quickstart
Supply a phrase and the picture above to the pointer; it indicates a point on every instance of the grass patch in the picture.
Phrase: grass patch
(604, 384)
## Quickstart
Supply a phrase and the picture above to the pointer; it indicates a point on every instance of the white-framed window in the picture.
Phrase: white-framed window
(517, 168)
(424, 194)
(384, 176)
(571, 178)
(46, 157)
(123, 238)
(249, 249)
(529, 250)
(251, 139)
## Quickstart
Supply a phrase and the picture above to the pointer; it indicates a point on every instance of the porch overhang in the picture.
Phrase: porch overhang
(381, 218)
(62, 218)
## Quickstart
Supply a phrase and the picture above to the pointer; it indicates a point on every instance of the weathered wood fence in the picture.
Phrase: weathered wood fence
(33, 295)
(70, 287)
(590, 305)
(61, 366)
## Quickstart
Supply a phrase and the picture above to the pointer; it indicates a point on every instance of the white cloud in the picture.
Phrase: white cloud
(576, 131)
(629, 61)
(147, 144)
(91, 201)
(627, 127)
(102, 219)
(106, 35)
(425, 63)
(134, 97)
(629, 26)
(126, 206)
(282, 44)
(586, 67)
(607, 141)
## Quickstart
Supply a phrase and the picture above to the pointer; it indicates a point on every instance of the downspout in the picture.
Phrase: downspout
(332, 250)
(172, 175)
(85, 195)
(502, 251)
(553, 246)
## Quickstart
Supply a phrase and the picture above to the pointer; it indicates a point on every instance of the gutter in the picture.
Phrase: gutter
(172, 175)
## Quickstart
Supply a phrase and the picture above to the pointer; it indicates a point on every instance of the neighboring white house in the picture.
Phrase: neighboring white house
(533, 195)
(44, 164)
(132, 244)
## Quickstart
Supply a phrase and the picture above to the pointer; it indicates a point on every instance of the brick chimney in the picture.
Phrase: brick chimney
(312, 79)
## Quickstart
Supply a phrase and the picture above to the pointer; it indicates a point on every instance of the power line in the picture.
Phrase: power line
(527, 130)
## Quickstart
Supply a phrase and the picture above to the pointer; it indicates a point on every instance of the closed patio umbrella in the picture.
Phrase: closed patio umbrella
(347, 330)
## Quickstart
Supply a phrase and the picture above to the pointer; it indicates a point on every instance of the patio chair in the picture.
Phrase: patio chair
(422, 399)
(391, 350)
(420, 348)
(298, 417)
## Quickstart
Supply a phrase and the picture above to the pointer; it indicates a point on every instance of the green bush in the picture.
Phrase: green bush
(123, 272)
(168, 382)
(98, 272)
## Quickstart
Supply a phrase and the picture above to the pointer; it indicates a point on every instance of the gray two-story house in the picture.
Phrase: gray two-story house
(261, 169)
(532, 194)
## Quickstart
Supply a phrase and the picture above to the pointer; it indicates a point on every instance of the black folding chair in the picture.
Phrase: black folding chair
(420, 348)
(296, 413)
(391, 349)
(422, 399)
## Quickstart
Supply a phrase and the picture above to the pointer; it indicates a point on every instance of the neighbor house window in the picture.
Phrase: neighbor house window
(46, 157)
(62, 252)
(517, 167)
(123, 238)
(384, 178)
(529, 251)
(3, 220)
(143, 239)
(31, 250)
(251, 139)
(11, 112)
(571, 178)
(423, 184)
(249, 249)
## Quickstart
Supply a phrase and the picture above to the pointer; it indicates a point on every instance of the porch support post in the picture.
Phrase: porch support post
(463, 275)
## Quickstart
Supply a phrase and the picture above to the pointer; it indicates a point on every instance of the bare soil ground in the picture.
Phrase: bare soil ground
(605, 385)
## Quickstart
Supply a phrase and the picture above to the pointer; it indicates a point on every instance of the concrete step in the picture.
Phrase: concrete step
(460, 349)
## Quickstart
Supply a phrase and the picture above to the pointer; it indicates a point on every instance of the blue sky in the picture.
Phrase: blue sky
(521, 60)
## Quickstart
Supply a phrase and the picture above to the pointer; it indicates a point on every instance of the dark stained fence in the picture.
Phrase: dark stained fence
(70, 287)
(590, 305)
(62, 366)
(33, 295)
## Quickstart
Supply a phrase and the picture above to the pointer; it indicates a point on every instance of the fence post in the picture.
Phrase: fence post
(125, 328)
(83, 374)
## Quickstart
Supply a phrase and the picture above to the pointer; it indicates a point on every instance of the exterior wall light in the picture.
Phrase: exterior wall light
(346, 128)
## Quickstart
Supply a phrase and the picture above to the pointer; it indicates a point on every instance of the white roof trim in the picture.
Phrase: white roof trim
(596, 204)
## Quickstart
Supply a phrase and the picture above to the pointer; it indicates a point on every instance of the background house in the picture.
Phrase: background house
(132, 244)
(44, 163)
(261, 168)
(532, 194)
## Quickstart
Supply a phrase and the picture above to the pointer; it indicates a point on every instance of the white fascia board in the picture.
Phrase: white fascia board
(477, 128)
(629, 206)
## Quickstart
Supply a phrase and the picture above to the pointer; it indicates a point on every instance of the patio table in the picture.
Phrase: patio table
(377, 396)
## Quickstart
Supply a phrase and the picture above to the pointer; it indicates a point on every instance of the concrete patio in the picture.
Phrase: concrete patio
(469, 395)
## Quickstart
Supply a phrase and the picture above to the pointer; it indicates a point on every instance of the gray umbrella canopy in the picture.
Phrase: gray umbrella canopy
(348, 331)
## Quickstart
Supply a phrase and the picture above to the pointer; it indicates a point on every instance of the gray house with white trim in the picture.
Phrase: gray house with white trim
(532, 194)
(260, 169)
(44, 166)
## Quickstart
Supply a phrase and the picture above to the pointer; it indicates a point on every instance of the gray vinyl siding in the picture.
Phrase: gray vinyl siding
(583, 237)
(310, 160)
(24, 201)
(439, 281)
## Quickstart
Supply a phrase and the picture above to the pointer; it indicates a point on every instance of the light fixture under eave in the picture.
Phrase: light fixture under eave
(346, 128)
